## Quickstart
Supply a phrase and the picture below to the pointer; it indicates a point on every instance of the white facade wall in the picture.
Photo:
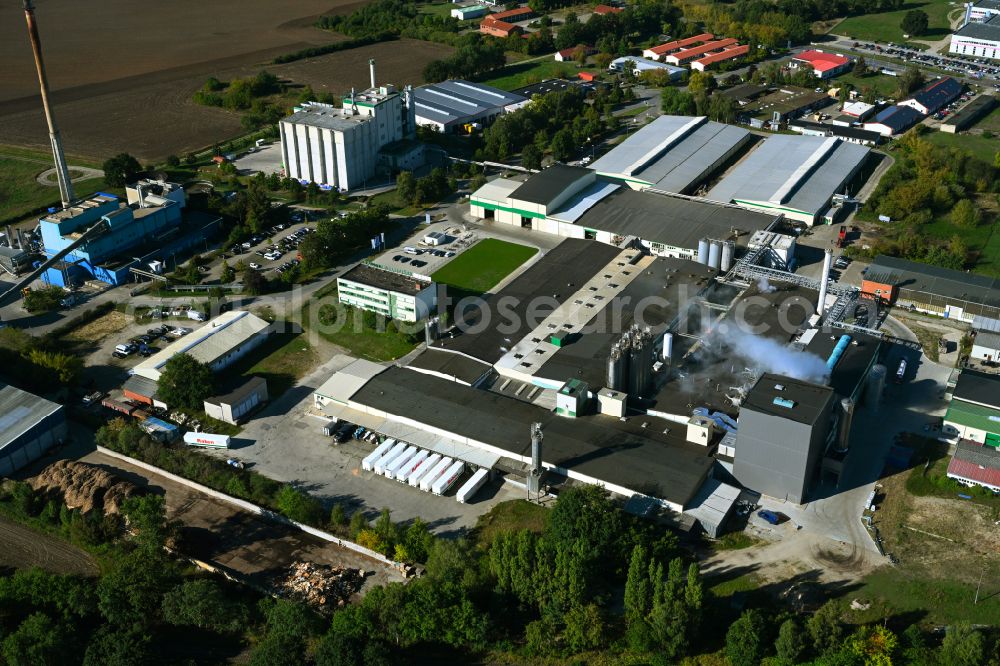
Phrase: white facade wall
(978, 48)
(981, 352)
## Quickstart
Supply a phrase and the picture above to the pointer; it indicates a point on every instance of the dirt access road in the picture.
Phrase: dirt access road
(245, 543)
(22, 548)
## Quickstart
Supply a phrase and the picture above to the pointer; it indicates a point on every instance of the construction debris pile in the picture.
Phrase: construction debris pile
(86, 487)
(321, 585)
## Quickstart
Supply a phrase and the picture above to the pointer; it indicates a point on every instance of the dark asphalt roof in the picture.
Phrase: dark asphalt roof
(139, 385)
(838, 130)
(645, 460)
(572, 262)
(458, 366)
(971, 111)
(980, 387)
(240, 393)
(675, 221)
(385, 279)
(938, 93)
(544, 186)
(772, 314)
(987, 30)
(897, 118)
(914, 276)
(586, 356)
(809, 399)
(854, 363)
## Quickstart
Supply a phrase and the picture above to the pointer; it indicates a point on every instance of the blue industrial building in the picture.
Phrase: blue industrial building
(29, 426)
(151, 227)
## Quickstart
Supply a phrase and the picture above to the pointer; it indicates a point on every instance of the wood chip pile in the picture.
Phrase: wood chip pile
(321, 585)
(86, 487)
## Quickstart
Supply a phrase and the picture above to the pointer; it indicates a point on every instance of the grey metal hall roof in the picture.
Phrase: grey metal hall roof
(645, 460)
(675, 221)
(672, 153)
(20, 411)
(988, 30)
(897, 118)
(797, 172)
(938, 93)
(945, 282)
(451, 101)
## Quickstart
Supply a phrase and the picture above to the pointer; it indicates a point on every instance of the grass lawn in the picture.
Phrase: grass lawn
(483, 266)
(983, 239)
(735, 541)
(523, 74)
(991, 122)
(943, 601)
(353, 330)
(437, 9)
(884, 27)
(510, 517)
(981, 147)
(20, 193)
(392, 200)
(289, 359)
(883, 84)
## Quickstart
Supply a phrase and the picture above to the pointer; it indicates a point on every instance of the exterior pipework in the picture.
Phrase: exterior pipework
(846, 418)
(823, 280)
(838, 351)
(715, 255)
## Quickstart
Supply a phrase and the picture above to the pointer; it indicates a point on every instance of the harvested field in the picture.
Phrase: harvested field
(132, 90)
(22, 548)
(100, 328)
(400, 62)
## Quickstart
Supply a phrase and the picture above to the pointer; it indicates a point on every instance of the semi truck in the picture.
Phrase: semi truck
(448, 479)
(427, 482)
(380, 450)
(472, 486)
(400, 462)
(206, 440)
(403, 474)
(379, 465)
(421, 471)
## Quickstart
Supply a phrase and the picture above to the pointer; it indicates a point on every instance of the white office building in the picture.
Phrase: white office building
(340, 148)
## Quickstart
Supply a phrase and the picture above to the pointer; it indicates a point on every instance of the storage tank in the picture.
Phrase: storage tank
(728, 252)
(617, 369)
(876, 383)
(703, 251)
(436, 471)
(425, 467)
(667, 352)
(715, 254)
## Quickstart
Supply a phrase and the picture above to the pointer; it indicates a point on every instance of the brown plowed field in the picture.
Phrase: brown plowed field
(122, 77)
(22, 548)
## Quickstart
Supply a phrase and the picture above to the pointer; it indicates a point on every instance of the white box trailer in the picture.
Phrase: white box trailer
(207, 440)
(379, 451)
(472, 486)
(421, 471)
(448, 479)
(428, 480)
(400, 461)
(403, 474)
(380, 464)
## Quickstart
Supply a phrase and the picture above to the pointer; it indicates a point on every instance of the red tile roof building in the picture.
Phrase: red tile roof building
(695, 52)
(493, 27)
(656, 52)
(607, 9)
(824, 65)
(726, 54)
(976, 464)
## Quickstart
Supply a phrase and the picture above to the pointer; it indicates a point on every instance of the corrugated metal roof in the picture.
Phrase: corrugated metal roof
(208, 343)
(981, 323)
(450, 102)
(988, 339)
(973, 416)
(976, 462)
(345, 383)
(937, 281)
(797, 172)
(988, 30)
(672, 153)
(579, 204)
(20, 411)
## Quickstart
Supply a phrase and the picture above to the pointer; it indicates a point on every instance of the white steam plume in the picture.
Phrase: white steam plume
(767, 355)
(765, 287)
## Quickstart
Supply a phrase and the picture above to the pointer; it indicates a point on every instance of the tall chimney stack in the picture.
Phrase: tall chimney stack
(62, 173)
(823, 280)
(371, 68)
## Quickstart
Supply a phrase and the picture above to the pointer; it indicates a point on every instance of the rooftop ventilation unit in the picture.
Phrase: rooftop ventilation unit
(784, 402)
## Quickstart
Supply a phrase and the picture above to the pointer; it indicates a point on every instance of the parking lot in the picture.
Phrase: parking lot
(421, 258)
(957, 64)
(265, 159)
(276, 249)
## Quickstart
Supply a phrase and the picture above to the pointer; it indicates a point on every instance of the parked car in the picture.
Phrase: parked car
(772, 517)
(255, 265)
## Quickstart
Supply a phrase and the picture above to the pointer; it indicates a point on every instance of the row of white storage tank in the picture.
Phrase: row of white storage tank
(431, 472)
